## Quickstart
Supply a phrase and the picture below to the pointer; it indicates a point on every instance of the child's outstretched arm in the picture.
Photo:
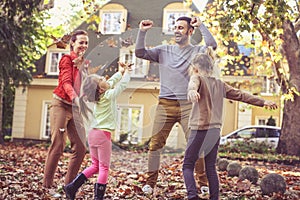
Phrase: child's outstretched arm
(239, 95)
(125, 67)
(116, 77)
(121, 86)
(270, 104)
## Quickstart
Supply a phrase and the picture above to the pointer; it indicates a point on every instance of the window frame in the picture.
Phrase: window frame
(167, 13)
(45, 119)
(122, 21)
(118, 130)
(49, 60)
(144, 63)
(266, 86)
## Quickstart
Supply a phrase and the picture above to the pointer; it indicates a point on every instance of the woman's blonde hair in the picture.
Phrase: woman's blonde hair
(90, 91)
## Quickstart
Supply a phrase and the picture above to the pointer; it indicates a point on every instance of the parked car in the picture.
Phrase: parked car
(256, 133)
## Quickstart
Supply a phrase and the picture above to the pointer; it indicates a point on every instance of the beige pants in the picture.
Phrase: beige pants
(168, 112)
(64, 121)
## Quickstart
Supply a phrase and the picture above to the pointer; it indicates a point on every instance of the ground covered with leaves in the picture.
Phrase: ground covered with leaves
(21, 172)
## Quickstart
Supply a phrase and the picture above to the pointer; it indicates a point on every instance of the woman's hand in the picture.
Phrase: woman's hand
(78, 62)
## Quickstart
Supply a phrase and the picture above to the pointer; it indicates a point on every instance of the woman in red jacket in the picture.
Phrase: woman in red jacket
(65, 119)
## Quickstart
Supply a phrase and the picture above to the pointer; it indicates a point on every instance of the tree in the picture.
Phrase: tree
(277, 23)
(22, 41)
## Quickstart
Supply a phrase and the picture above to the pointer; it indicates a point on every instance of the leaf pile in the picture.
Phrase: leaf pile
(21, 173)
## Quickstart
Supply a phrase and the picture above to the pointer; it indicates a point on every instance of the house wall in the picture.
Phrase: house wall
(18, 126)
(262, 112)
(36, 96)
(29, 105)
(230, 116)
(147, 98)
(28, 110)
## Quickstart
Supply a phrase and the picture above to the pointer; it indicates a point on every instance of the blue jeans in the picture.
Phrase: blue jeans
(202, 143)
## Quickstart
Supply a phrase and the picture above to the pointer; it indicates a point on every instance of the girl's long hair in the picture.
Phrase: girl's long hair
(203, 64)
(90, 91)
(206, 62)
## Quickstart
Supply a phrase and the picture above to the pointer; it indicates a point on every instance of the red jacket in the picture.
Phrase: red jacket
(69, 79)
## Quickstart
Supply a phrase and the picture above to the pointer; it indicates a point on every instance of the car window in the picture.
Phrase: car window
(246, 133)
(261, 133)
(273, 133)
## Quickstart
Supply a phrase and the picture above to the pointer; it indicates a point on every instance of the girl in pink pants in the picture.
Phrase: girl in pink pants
(103, 93)
(100, 151)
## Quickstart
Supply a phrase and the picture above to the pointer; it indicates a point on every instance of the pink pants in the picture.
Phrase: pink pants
(100, 152)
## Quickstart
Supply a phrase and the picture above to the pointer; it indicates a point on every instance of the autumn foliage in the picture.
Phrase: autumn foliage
(21, 172)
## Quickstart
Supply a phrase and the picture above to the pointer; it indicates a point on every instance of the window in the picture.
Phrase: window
(45, 125)
(246, 133)
(263, 120)
(267, 132)
(269, 86)
(113, 19)
(140, 68)
(261, 133)
(53, 61)
(130, 120)
(171, 13)
(273, 132)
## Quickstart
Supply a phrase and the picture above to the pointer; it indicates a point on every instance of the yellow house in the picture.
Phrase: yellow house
(136, 105)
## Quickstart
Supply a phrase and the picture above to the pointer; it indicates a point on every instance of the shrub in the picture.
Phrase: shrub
(246, 146)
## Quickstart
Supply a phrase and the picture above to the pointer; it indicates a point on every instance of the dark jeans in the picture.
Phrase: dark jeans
(202, 143)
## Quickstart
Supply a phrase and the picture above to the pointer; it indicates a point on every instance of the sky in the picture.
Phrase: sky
(61, 10)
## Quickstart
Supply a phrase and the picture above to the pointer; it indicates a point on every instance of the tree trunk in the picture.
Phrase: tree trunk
(289, 142)
(1, 112)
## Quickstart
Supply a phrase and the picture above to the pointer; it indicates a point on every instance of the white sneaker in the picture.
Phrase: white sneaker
(204, 190)
(54, 194)
(147, 189)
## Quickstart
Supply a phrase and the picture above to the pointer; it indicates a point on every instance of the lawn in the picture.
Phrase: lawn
(21, 172)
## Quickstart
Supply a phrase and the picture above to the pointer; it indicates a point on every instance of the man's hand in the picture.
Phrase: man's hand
(145, 25)
(270, 104)
(193, 96)
(195, 22)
